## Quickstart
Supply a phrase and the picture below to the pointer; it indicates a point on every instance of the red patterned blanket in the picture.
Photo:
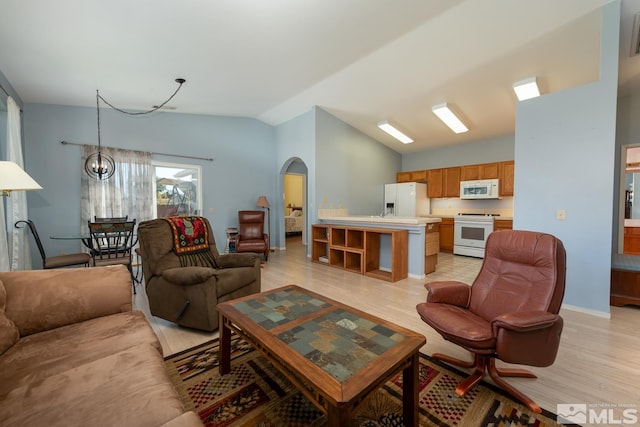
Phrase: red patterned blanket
(191, 241)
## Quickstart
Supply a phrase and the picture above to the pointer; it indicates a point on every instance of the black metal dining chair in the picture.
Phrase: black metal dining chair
(58, 261)
(111, 219)
(112, 244)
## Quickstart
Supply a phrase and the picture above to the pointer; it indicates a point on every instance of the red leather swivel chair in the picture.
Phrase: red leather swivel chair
(509, 313)
(251, 236)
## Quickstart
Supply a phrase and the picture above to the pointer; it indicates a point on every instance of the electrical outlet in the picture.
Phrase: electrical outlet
(561, 214)
(210, 210)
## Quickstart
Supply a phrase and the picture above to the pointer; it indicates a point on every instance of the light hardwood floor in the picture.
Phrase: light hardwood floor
(598, 360)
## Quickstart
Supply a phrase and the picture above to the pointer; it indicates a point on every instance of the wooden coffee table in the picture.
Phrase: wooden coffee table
(334, 354)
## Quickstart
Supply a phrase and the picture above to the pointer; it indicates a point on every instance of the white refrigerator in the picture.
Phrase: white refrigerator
(406, 199)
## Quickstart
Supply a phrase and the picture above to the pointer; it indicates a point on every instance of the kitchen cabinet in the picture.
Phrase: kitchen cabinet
(489, 171)
(446, 235)
(434, 183)
(443, 182)
(631, 243)
(503, 224)
(451, 184)
(469, 173)
(479, 171)
(431, 247)
(403, 177)
(506, 172)
(412, 176)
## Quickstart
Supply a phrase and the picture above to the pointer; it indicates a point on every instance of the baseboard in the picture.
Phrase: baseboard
(598, 313)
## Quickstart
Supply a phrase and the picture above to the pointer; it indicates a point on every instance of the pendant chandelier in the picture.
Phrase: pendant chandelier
(101, 166)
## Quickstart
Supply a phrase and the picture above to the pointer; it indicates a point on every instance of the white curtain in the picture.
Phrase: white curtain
(128, 192)
(18, 238)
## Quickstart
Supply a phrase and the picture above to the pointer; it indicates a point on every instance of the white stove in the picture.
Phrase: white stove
(470, 233)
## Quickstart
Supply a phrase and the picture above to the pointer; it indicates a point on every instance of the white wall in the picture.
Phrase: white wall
(564, 152)
(352, 168)
(485, 151)
(295, 139)
(243, 169)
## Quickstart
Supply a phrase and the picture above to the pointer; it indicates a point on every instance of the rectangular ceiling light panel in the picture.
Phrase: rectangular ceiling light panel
(394, 132)
(446, 115)
(526, 89)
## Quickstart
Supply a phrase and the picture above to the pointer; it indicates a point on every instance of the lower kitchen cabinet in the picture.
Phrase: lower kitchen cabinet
(431, 247)
(503, 224)
(446, 235)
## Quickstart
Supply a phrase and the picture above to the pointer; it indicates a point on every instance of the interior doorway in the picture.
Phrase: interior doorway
(294, 190)
(629, 233)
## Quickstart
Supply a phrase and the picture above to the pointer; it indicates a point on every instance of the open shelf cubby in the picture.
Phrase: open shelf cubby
(338, 236)
(355, 239)
(357, 249)
(336, 257)
(353, 261)
(320, 244)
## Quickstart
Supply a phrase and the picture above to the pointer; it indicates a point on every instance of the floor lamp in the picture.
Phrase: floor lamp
(264, 203)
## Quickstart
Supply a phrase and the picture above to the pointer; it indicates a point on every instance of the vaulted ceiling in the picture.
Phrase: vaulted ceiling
(364, 61)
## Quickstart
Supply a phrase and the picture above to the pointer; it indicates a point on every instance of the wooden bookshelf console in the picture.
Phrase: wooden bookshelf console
(357, 249)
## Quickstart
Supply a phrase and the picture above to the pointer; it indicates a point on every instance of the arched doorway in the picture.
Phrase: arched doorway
(293, 181)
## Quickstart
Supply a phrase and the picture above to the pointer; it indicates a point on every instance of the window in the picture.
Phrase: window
(177, 189)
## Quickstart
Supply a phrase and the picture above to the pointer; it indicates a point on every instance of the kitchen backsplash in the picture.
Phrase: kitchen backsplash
(453, 206)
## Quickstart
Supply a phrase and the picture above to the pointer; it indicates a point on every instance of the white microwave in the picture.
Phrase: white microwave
(480, 189)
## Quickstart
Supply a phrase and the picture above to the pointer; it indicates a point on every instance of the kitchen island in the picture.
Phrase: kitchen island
(381, 253)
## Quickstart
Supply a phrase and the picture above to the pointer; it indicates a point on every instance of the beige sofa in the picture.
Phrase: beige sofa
(73, 353)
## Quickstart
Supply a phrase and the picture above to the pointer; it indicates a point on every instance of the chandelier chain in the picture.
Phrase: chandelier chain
(138, 113)
(98, 109)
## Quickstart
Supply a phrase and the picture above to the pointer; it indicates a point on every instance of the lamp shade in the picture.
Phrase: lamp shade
(262, 202)
(14, 178)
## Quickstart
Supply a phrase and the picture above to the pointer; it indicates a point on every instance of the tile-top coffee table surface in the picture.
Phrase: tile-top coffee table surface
(351, 348)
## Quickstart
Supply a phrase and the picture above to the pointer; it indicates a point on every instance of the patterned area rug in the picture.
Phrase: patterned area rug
(256, 394)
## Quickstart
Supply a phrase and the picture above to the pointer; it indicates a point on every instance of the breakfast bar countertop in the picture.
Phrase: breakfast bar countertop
(374, 219)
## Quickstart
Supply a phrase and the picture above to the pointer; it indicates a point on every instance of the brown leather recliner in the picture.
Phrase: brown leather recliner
(251, 236)
(509, 313)
(189, 295)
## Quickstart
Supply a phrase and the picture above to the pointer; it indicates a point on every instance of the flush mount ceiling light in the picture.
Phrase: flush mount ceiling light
(446, 115)
(527, 88)
(101, 166)
(394, 132)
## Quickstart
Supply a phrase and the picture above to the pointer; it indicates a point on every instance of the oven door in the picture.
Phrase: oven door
(471, 234)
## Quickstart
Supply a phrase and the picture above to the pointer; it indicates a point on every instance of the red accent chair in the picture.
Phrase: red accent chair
(251, 236)
(509, 313)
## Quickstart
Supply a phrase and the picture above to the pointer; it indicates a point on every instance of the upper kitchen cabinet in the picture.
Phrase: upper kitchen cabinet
(451, 187)
(412, 176)
(481, 171)
(506, 171)
(434, 183)
(443, 182)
